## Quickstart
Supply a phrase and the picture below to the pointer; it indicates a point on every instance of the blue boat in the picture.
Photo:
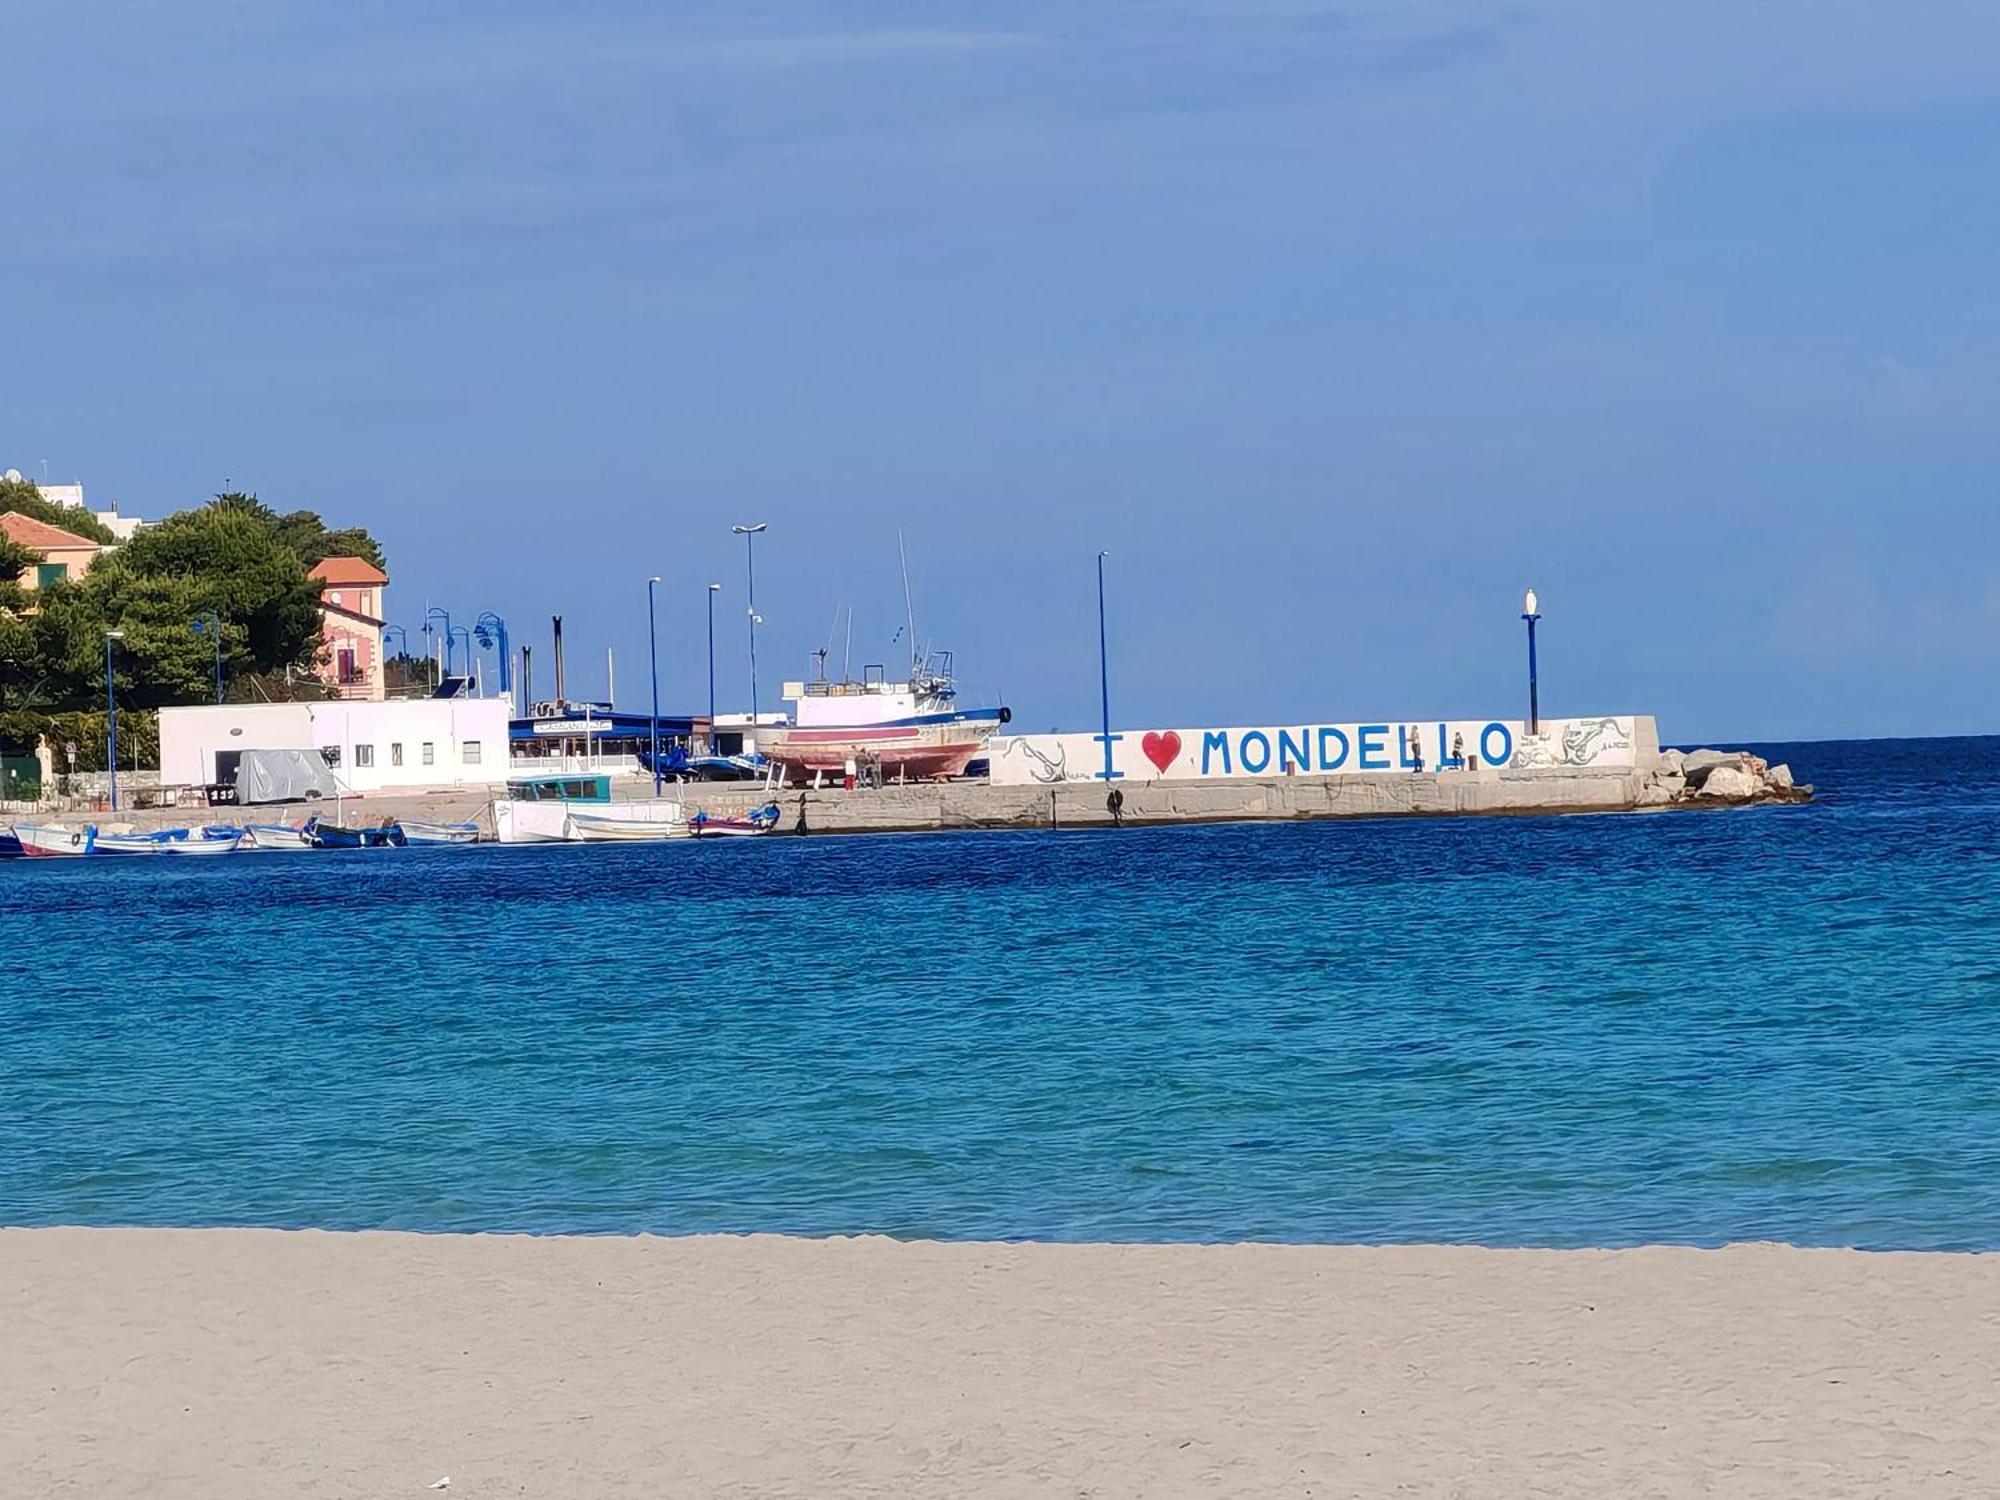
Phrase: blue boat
(332, 836)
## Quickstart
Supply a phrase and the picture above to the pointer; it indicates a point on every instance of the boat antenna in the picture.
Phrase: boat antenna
(847, 652)
(909, 611)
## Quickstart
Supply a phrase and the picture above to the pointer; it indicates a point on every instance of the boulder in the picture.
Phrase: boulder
(1705, 760)
(1671, 762)
(1780, 777)
(1730, 783)
(1653, 794)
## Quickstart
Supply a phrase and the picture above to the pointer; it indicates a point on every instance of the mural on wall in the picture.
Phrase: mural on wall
(1310, 750)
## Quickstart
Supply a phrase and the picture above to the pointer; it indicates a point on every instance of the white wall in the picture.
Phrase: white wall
(1616, 742)
(190, 738)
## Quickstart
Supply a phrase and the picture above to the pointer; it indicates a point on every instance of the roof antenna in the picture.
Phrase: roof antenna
(909, 612)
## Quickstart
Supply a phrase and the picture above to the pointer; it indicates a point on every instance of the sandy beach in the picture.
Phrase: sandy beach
(246, 1362)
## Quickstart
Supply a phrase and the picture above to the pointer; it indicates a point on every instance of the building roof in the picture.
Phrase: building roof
(26, 531)
(350, 572)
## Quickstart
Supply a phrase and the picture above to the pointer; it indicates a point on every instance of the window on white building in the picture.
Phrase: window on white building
(471, 756)
(364, 755)
(430, 753)
(395, 753)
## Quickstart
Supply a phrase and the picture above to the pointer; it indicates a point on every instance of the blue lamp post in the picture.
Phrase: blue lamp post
(1104, 675)
(210, 623)
(435, 612)
(465, 635)
(713, 590)
(749, 535)
(491, 632)
(653, 658)
(111, 704)
(1531, 612)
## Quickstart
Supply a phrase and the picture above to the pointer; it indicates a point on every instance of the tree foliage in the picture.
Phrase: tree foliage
(21, 495)
(233, 561)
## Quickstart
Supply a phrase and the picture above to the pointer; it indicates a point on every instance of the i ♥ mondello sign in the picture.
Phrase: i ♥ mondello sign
(1606, 742)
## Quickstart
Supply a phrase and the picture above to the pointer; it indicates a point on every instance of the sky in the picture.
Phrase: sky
(1335, 324)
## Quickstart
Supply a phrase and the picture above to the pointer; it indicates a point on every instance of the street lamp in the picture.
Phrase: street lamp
(444, 614)
(211, 623)
(111, 702)
(749, 534)
(491, 632)
(713, 590)
(1104, 670)
(1531, 612)
(653, 659)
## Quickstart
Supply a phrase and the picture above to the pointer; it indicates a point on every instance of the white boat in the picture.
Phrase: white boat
(40, 841)
(440, 833)
(205, 841)
(629, 822)
(123, 843)
(283, 837)
(903, 731)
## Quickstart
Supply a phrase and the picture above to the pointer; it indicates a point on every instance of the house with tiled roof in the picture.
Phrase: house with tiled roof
(62, 555)
(351, 615)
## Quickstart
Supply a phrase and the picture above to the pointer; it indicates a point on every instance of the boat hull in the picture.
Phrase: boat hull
(281, 838)
(207, 845)
(744, 825)
(911, 752)
(643, 826)
(51, 843)
(441, 833)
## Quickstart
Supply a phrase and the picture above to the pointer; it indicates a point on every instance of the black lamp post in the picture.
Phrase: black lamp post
(1531, 612)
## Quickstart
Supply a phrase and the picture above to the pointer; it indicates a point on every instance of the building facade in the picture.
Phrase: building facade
(351, 617)
(402, 744)
(62, 555)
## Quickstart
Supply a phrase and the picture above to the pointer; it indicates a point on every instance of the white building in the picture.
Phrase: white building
(71, 495)
(403, 744)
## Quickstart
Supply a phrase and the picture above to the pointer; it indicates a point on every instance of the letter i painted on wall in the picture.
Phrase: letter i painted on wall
(1108, 740)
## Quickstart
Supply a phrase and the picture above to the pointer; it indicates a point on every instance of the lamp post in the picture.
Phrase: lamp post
(1104, 671)
(1531, 612)
(749, 534)
(436, 612)
(111, 703)
(491, 632)
(653, 658)
(713, 590)
(210, 623)
(466, 636)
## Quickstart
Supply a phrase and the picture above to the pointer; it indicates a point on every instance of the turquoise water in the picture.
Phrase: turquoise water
(1767, 1024)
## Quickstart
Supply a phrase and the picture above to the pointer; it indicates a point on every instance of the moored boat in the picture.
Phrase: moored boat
(705, 825)
(42, 841)
(439, 833)
(289, 838)
(100, 842)
(380, 836)
(628, 822)
(212, 841)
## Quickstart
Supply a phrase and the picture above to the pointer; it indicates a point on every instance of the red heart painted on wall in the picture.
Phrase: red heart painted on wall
(1161, 748)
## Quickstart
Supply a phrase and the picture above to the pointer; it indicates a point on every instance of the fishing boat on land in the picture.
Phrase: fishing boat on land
(44, 841)
(705, 825)
(630, 822)
(381, 836)
(439, 833)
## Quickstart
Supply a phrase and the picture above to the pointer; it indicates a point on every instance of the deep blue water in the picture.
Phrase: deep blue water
(1779, 1023)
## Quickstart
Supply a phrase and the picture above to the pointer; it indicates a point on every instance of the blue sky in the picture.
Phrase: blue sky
(1336, 323)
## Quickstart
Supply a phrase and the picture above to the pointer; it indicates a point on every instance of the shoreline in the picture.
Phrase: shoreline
(209, 1361)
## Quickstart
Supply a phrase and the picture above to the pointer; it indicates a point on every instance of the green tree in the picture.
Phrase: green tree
(218, 558)
(21, 495)
(305, 533)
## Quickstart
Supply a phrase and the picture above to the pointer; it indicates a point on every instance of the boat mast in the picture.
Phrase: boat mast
(909, 612)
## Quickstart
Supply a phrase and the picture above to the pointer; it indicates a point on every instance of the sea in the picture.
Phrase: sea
(1776, 1023)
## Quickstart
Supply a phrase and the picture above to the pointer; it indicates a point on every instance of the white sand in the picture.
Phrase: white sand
(221, 1363)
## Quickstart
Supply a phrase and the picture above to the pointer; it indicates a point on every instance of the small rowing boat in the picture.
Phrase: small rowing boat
(440, 833)
(640, 822)
(210, 841)
(332, 836)
(763, 819)
(288, 838)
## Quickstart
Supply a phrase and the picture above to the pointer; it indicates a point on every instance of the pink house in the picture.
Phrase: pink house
(350, 614)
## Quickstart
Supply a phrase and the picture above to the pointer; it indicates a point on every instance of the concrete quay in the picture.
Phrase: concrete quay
(944, 806)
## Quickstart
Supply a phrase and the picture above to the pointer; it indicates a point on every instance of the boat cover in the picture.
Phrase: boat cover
(282, 776)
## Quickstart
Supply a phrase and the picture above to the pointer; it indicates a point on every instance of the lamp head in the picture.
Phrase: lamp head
(1530, 605)
(715, 588)
(750, 530)
(114, 635)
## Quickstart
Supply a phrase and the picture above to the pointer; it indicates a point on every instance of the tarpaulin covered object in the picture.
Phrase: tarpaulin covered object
(282, 776)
